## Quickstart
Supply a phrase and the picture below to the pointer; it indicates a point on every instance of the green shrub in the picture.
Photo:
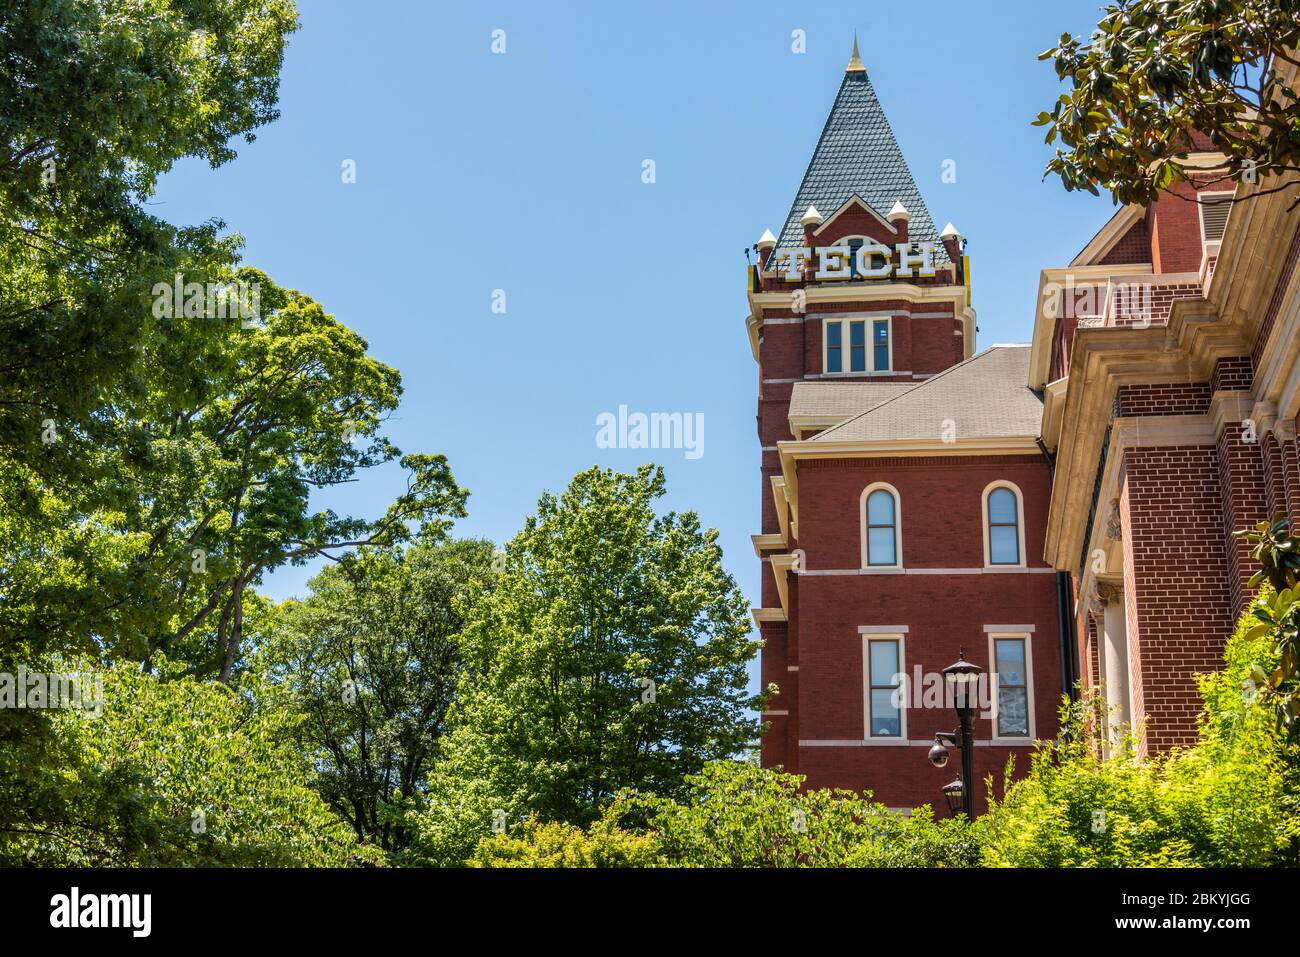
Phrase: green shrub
(551, 844)
(176, 771)
(737, 815)
(1231, 800)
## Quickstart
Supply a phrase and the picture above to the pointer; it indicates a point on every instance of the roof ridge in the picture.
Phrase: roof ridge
(919, 385)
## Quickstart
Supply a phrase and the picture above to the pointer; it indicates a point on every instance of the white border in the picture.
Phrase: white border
(868, 321)
(867, 639)
(898, 528)
(1027, 638)
(1020, 523)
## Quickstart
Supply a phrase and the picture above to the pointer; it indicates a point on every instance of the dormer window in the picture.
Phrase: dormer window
(846, 349)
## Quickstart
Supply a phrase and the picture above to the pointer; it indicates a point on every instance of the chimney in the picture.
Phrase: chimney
(766, 243)
(899, 217)
(951, 240)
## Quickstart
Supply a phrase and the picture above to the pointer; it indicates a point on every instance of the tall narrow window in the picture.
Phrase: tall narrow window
(884, 711)
(882, 528)
(880, 345)
(1013, 688)
(857, 347)
(1003, 527)
(833, 347)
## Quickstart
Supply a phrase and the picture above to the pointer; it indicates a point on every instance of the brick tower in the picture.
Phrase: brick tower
(904, 493)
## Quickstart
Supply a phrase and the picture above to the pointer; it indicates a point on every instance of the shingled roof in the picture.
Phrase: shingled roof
(985, 397)
(857, 154)
(843, 399)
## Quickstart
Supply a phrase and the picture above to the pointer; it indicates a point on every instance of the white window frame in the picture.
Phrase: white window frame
(898, 528)
(1026, 637)
(868, 327)
(900, 639)
(871, 342)
(985, 523)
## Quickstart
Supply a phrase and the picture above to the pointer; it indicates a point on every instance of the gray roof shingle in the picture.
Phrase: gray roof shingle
(857, 154)
(985, 397)
(842, 398)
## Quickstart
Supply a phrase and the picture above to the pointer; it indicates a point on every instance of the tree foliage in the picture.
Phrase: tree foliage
(1161, 77)
(156, 463)
(370, 661)
(97, 100)
(736, 815)
(1276, 611)
(173, 771)
(1232, 800)
(608, 653)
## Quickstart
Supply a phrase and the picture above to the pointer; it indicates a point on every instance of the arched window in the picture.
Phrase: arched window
(1004, 525)
(882, 539)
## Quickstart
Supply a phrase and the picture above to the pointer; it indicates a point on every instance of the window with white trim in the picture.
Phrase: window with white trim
(884, 705)
(1004, 525)
(1010, 656)
(881, 527)
(845, 347)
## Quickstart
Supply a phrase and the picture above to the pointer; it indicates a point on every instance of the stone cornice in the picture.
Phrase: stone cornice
(1103, 360)
(1047, 308)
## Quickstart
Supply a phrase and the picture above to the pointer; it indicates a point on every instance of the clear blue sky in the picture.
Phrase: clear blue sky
(478, 172)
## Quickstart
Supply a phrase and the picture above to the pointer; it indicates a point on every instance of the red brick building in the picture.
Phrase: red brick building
(1166, 353)
(1063, 511)
(905, 494)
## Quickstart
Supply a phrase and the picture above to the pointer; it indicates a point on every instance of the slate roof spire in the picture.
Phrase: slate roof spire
(857, 154)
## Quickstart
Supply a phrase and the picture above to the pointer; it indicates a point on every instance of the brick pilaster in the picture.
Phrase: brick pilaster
(1177, 592)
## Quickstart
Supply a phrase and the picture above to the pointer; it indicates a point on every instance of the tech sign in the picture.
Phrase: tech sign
(871, 260)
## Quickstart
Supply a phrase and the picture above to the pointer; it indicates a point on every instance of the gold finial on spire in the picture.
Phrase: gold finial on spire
(855, 62)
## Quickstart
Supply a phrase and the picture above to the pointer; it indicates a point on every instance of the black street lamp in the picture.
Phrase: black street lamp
(963, 680)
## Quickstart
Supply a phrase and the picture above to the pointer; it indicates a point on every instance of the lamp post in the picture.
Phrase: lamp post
(962, 678)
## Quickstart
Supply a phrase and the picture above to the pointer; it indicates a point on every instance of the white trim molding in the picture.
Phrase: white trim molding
(845, 322)
(1016, 633)
(899, 639)
(898, 528)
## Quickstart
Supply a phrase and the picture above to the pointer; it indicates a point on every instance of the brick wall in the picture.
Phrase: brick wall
(1133, 247)
(942, 528)
(1172, 399)
(1241, 481)
(1174, 227)
(1176, 584)
(1232, 374)
(1274, 480)
(1291, 481)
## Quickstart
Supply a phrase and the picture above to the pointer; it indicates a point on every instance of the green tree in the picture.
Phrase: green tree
(1276, 610)
(608, 653)
(370, 661)
(172, 771)
(97, 100)
(198, 481)
(1158, 77)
